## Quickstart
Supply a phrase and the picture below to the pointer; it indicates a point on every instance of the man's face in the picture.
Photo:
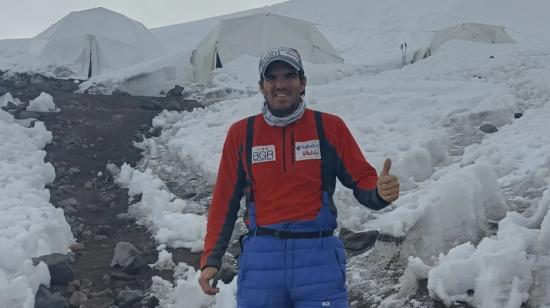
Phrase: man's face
(281, 88)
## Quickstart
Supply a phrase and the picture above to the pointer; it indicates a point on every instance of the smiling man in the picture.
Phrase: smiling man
(285, 160)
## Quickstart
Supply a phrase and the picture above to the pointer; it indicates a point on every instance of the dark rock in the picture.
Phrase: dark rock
(73, 286)
(97, 302)
(92, 207)
(174, 106)
(104, 293)
(344, 232)
(106, 278)
(175, 91)
(11, 106)
(39, 83)
(69, 210)
(45, 299)
(150, 302)
(20, 81)
(60, 270)
(153, 132)
(150, 106)
(227, 273)
(37, 79)
(3, 90)
(361, 240)
(27, 115)
(77, 246)
(488, 128)
(124, 253)
(518, 115)
(22, 107)
(77, 299)
(125, 217)
(106, 198)
(103, 230)
(144, 277)
(98, 238)
(128, 297)
(135, 266)
(72, 202)
(67, 85)
(119, 92)
(120, 275)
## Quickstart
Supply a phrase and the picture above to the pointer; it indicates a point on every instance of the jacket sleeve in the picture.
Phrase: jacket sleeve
(225, 204)
(351, 167)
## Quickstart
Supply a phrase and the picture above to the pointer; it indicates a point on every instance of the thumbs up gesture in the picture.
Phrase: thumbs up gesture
(388, 185)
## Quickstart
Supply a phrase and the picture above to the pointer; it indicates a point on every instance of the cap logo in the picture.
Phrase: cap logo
(288, 55)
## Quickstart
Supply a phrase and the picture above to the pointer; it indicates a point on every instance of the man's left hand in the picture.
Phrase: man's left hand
(388, 184)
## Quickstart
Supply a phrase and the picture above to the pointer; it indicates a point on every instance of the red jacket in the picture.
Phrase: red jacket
(286, 173)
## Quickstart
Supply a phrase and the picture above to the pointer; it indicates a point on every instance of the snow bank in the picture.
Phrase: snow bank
(160, 211)
(29, 225)
(499, 271)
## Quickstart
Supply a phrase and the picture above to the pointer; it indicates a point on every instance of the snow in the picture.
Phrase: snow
(161, 211)
(473, 212)
(29, 225)
(42, 103)
(187, 292)
(164, 259)
(457, 182)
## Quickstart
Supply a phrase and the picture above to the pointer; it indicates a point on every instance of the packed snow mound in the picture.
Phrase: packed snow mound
(92, 41)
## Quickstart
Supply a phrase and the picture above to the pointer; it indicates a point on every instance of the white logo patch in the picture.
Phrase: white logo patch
(263, 153)
(308, 150)
(325, 304)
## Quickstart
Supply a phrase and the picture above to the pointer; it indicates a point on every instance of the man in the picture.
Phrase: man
(286, 161)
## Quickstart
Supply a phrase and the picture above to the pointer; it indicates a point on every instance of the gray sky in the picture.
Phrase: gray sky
(27, 18)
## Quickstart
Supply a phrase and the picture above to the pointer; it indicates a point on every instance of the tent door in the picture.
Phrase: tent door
(218, 61)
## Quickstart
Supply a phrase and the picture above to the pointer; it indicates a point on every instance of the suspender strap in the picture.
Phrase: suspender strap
(324, 150)
(249, 139)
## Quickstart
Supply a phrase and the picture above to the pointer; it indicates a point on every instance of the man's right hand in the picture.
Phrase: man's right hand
(204, 280)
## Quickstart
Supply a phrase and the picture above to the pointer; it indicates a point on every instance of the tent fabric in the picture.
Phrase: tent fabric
(255, 34)
(476, 32)
(91, 41)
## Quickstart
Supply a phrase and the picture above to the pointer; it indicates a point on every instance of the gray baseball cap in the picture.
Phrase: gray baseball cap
(285, 54)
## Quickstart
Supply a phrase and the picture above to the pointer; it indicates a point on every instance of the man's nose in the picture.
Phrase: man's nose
(280, 83)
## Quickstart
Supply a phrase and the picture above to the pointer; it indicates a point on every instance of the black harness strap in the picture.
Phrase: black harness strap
(249, 140)
(324, 151)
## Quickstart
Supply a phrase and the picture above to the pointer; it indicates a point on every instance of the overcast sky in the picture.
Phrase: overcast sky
(27, 18)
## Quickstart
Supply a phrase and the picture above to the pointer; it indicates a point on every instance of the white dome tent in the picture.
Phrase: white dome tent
(476, 32)
(90, 41)
(255, 34)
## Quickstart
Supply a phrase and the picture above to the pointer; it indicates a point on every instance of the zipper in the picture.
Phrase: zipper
(292, 148)
(284, 149)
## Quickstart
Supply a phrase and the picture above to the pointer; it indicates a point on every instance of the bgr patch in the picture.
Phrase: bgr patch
(263, 153)
(307, 150)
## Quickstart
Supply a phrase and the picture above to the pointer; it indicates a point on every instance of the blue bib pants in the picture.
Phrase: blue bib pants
(292, 273)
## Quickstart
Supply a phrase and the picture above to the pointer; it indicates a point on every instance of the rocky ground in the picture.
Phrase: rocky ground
(92, 134)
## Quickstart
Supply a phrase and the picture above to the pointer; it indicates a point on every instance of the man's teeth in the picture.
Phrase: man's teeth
(281, 94)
